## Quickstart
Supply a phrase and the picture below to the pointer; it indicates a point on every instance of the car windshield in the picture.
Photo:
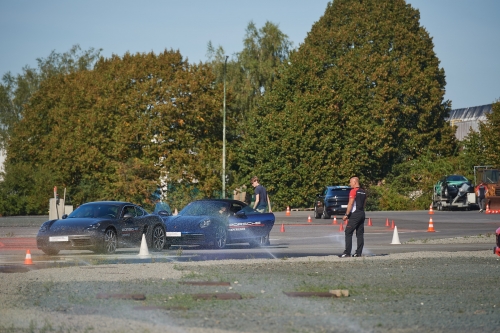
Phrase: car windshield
(162, 206)
(200, 208)
(341, 192)
(95, 210)
(456, 178)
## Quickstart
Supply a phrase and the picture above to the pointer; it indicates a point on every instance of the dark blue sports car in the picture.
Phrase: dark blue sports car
(217, 222)
(102, 227)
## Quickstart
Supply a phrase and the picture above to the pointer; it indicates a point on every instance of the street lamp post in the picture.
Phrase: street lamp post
(224, 136)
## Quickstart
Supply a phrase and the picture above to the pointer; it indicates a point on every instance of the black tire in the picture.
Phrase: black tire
(325, 215)
(110, 242)
(316, 214)
(50, 251)
(220, 237)
(167, 246)
(439, 206)
(158, 238)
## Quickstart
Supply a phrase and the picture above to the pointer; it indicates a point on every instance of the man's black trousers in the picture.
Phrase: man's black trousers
(356, 222)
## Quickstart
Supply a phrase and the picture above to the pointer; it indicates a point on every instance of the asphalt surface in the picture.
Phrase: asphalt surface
(292, 237)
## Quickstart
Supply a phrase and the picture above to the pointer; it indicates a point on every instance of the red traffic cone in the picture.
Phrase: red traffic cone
(392, 225)
(287, 210)
(431, 212)
(431, 226)
(487, 209)
(282, 228)
(341, 227)
(309, 219)
(370, 222)
(387, 223)
(334, 220)
(27, 260)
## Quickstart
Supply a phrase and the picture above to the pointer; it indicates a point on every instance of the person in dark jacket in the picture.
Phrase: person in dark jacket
(481, 190)
(355, 214)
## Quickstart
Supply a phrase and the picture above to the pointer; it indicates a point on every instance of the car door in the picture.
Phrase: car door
(247, 223)
(131, 231)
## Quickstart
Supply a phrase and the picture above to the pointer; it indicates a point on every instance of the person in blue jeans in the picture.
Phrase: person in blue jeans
(355, 214)
(262, 201)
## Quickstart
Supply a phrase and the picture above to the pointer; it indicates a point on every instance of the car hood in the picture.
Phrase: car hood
(187, 222)
(70, 225)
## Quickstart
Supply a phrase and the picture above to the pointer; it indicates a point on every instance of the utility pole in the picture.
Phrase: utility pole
(224, 137)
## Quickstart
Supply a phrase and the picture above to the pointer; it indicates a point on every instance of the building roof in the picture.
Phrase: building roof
(468, 118)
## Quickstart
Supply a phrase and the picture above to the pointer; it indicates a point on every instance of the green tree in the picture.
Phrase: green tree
(109, 133)
(363, 93)
(15, 91)
(490, 135)
(250, 75)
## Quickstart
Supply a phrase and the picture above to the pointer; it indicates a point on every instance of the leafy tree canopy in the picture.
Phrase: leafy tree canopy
(362, 94)
(15, 91)
(109, 133)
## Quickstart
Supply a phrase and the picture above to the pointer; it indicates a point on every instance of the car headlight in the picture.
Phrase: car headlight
(94, 226)
(205, 223)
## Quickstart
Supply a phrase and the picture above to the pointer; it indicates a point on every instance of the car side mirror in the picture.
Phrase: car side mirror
(164, 213)
(240, 214)
(64, 216)
(127, 216)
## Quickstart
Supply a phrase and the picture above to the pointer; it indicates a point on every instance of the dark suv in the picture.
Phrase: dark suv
(334, 200)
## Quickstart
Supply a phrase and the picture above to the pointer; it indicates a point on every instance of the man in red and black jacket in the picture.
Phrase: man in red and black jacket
(355, 214)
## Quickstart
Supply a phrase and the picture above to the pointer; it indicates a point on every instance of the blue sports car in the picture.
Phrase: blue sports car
(102, 227)
(217, 222)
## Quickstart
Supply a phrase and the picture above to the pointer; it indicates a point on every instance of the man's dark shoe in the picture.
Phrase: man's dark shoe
(356, 255)
(344, 255)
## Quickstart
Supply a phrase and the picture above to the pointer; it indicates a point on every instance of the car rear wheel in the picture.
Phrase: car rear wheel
(50, 251)
(110, 242)
(326, 216)
(220, 238)
(158, 239)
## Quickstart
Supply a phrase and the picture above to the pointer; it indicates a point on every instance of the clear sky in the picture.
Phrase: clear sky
(466, 33)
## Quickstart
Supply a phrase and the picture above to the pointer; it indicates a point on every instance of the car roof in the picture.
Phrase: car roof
(109, 203)
(336, 187)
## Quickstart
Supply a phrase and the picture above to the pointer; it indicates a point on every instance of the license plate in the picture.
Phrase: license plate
(58, 239)
(344, 206)
(173, 234)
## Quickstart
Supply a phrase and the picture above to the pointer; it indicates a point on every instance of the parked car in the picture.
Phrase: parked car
(217, 222)
(333, 200)
(452, 192)
(103, 227)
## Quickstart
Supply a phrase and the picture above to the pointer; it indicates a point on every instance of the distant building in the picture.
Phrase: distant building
(468, 118)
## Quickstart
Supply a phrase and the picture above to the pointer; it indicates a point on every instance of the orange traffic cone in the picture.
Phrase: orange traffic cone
(287, 210)
(335, 220)
(370, 222)
(341, 227)
(431, 226)
(309, 219)
(387, 222)
(431, 212)
(27, 260)
(487, 209)
(282, 228)
(392, 225)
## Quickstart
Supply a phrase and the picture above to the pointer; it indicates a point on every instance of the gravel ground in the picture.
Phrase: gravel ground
(408, 292)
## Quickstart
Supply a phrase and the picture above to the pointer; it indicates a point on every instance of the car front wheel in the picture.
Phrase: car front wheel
(110, 242)
(158, 239)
